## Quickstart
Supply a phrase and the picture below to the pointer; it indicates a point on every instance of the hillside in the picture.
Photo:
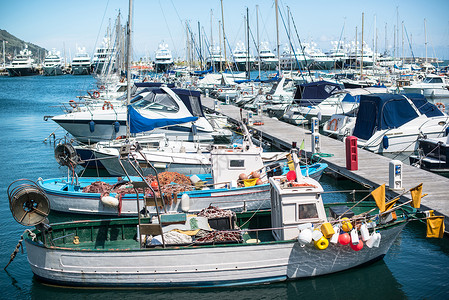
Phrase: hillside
(15, 44)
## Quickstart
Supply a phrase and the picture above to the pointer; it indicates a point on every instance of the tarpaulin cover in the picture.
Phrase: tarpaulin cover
(319, 90)
(138, 123)
(386, 111)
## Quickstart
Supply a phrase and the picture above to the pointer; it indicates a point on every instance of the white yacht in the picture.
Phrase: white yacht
(215, 59)
(393, 122)
(241, 57)
(22, 64)
(104, 57)
(53, 64)
(320, 60)
(290, 59)
(81, 64)
(267, 58)
(431, 86)
(163, 58)
(177, 113)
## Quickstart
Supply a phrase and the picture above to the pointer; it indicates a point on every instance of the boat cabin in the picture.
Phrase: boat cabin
(295, 203)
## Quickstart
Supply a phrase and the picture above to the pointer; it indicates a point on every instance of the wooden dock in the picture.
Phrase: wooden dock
(373, 169)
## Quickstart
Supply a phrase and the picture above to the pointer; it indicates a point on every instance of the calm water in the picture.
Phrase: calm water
(415, 267)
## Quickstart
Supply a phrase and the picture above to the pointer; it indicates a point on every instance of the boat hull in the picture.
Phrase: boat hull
(26, 71)
(52, 71)
(200, 266)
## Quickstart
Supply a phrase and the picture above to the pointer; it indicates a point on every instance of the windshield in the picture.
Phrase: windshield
(158, 102)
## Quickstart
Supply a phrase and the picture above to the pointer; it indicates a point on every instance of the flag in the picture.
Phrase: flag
(379, 196)
(302, 146)
(389, 205)
(435, 227)
(416, 193)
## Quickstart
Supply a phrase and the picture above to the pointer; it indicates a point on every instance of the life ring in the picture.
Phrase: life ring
(245, 93)
(101, 87)
(121, 137)
(123, 79)
(96, 94)
(269, 97)
(441, 106)
(73, 104)
(107, 105)
(220, 90)
(330, 124)
(321, 78)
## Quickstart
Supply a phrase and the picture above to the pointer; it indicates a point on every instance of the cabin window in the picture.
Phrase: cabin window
(307, 211)
(237, 163)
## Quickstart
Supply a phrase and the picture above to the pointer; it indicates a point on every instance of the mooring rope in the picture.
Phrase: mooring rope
(20, 246)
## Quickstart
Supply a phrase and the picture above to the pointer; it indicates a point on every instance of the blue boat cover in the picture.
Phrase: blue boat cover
(153, 84)
(138, 123)
(318, 90)
(387, 111)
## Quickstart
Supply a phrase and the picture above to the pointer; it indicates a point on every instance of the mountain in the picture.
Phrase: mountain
(14, 45)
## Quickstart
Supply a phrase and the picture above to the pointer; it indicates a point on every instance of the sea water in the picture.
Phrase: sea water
(415, 267)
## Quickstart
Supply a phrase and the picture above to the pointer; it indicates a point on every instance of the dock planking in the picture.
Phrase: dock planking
(373, 169)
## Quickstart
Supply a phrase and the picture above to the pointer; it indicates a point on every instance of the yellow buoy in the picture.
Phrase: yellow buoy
(346, 224)
(322, 243)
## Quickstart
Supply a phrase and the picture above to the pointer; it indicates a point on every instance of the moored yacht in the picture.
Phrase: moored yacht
(268, 60)
(81, 64)
(163, 58)
(22, 64)
(215, 59)
(320, 60)
(155, 110)
(241, 57)
(104, 56)
(53, 64)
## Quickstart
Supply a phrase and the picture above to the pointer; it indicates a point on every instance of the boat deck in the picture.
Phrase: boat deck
(373, 169)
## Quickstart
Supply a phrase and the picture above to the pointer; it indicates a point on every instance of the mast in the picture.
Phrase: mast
(128, 63)
(219, 40)
(361, 59)
(425, 37)
(402, 43)
(199, 45)
(247, 45)
(356, 49)
(258, 42)
(277, 36)
(224, 36)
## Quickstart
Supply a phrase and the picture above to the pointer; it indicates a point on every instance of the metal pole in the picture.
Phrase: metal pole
(277, 36)
(128, 64)
(258, 42)
(361, 59)
(224, 36)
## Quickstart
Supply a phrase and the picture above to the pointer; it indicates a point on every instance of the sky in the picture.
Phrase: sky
(67, 24)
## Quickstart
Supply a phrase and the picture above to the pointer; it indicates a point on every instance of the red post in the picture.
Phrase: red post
(351, 153)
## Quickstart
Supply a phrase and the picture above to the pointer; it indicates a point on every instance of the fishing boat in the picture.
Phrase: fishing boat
(299, 237)
(226, 184)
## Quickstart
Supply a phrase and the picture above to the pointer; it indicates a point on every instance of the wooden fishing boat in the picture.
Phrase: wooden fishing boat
(285, 243)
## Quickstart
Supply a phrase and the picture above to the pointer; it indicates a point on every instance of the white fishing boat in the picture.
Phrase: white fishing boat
(300, 237)
(432, 87)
